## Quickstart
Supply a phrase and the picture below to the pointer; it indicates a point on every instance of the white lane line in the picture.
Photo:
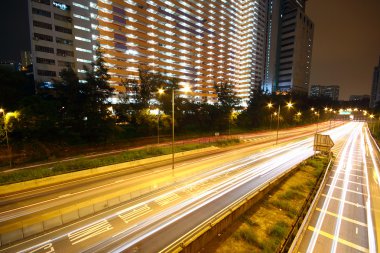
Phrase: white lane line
(356, 230)
(352, 182)
(343, 201)
(89, 232)
(130, 215)
(357, 190)
(47, 248)
(326, 203)
(343, 195)
(343, 217)
(371, 229)
(166, 199)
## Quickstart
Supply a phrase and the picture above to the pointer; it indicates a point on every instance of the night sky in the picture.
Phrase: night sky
(346, 40)
(346, 44)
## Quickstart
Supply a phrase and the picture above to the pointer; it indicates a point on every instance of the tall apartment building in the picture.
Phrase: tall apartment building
(200, 42)
(329, 91)
(62, 34)
(375, 91)
(289, 51)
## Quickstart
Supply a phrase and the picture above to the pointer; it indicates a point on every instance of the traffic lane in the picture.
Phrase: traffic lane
(230, 174)
(373, 165)
(123, 182)
(168, 234)
(17, 197)
(331, 214)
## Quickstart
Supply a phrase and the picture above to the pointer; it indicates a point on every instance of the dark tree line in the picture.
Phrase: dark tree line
(81, 112)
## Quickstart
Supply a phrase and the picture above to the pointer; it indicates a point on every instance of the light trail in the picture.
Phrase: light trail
(326, 203)
(229, 177)
(371, 229)
(347, 172)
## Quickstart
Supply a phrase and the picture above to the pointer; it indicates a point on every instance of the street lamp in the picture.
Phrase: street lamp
(270, 105)
(289, 105)
(185, 89)
(160, 92)
(371, 116)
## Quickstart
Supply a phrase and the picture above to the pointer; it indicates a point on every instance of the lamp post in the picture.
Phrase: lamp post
(289, 105)
(160, 91)
(270, 105)
(316, 113)
(185, 89)
(6, 135)
(371, 116)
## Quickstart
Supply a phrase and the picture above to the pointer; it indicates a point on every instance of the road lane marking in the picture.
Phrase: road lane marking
(90, 231)
(356, 230)
(135, 213)
(345, 201)
(47, 248)
(65, 195)
(352, 182)
(357, 190)
(342, 217)
(340, 240)
(166, 199)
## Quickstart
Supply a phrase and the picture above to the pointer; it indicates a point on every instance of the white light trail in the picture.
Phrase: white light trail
(326, 203)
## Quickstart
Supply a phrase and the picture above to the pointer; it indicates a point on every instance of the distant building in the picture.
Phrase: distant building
(359, 97)
(375, 92)
(289, 47)
(330, 91)
(9, 64)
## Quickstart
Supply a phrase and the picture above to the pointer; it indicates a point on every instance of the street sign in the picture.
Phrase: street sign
(323, 143)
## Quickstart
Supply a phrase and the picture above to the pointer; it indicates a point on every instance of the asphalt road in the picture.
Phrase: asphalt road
(347, 212)
(151, 222)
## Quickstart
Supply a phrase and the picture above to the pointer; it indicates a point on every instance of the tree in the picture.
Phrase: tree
(227, 101)
(96, 93)
(227, 98)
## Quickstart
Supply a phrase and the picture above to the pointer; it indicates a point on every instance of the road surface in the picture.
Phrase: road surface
(344, 217)
(151, 222)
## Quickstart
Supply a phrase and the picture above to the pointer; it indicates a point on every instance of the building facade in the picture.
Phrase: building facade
(289, 51)
(375, 91)
(202, 43)
(329, 91)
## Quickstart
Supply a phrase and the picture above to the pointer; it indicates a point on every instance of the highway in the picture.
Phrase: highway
(34, 201)
(347, 214)
(153, 221)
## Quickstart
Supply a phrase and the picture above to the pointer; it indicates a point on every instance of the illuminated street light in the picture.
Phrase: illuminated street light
(270, 105)
(289, 105)
(185, 89)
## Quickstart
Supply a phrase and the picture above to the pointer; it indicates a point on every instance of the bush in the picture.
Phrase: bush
(248, 235)
(279, 230)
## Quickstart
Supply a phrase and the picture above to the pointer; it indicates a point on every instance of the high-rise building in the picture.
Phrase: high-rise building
(289, 51)
(200, 42)
(375, 92)
(328, 91)
(62, 35)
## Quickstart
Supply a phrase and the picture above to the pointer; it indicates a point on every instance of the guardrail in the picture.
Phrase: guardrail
(181, 243)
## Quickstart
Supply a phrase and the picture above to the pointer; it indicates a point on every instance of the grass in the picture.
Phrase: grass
(265, 226)
(88, 163)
